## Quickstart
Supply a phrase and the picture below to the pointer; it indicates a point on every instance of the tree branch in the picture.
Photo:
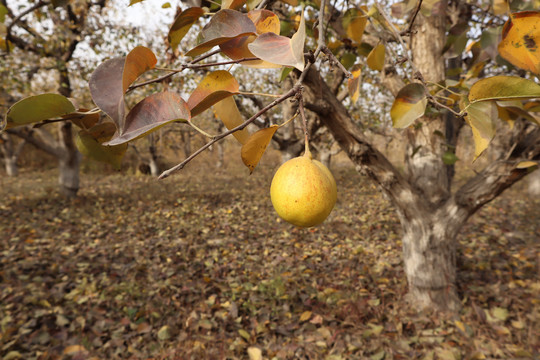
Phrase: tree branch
(500, 175)
(180, 166)
(40, 144)
(39, 4)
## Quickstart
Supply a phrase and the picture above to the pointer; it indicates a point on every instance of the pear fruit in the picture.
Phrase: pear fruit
(303, 191)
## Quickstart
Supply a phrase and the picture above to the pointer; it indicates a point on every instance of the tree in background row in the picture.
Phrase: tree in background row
(450, 65)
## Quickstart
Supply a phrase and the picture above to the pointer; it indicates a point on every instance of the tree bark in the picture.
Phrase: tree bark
(154, 164)
(11, 153)
(69, 162)
(534, 184)
(428, 236)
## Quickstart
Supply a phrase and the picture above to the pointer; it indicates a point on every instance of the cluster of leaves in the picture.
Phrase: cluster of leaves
(198, 276)
(253, 39)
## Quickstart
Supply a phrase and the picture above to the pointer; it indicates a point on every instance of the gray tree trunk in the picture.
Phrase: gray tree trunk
(429, 238)
(431, 217)
(69, 162)
(534, 183)
(11, 154)
(154, 165)
(325, 156)
(12, 169)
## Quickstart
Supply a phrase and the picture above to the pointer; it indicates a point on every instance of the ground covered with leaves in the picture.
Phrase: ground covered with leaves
(198, 266)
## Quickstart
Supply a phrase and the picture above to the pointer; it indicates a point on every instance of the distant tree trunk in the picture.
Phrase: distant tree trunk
(220, 155)
(69, 159)
(186, 141)
(11, 153)
(325, 155)
(534, 183)
(153, 162)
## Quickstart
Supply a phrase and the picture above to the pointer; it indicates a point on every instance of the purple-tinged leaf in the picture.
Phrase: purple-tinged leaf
(150, 114)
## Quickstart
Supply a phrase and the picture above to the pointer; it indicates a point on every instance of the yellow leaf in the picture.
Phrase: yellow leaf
(74, 349)
(232, 4)
(254, 148)
(89, 143)
(500, 7)
(243, 333)
(306, 315)
(353, 84)
(409, 104)
(227, 111)
(254, 353)
(375, 59)
(138, 61)
(354, 21)
(504, 88)
(481, 118)
(460, 326)
(182, 24)
(525, 165)
(517, 323)
(521, 40)
(215, 87)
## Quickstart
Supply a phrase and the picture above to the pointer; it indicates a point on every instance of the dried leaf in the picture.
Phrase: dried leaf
(306, 315)
(254, 353)
(227, 111)
(375, 59)
(255, 147)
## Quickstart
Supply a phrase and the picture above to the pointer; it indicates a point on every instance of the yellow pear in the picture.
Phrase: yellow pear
(303, 191)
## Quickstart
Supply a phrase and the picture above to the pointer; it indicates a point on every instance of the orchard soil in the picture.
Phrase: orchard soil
(198, 266)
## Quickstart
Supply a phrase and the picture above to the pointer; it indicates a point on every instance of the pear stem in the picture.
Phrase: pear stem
(304, 124)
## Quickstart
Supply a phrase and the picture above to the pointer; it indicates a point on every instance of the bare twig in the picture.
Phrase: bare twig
(19, 17)
(335, 61)
(189, 65)
(285, 96)
(416, 10)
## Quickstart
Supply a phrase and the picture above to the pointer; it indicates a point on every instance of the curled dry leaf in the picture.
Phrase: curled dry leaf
(255, 147)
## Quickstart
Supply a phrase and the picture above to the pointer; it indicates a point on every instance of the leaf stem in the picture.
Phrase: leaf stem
(201, 131)
(288, 121)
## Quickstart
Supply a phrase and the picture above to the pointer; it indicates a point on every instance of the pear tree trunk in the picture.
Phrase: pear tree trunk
(69, 161)
(431, 216)
(154, 165)
(11, 153)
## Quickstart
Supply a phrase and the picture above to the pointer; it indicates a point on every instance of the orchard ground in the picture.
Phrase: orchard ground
(198, 266)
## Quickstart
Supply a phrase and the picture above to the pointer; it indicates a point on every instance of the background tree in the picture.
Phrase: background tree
(429, 105)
